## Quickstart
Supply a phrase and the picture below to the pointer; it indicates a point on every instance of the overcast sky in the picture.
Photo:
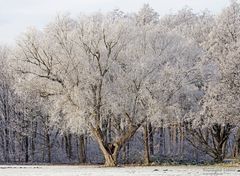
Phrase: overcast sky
(17, 15)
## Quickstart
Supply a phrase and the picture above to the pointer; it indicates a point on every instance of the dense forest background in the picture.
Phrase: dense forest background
(123, 88)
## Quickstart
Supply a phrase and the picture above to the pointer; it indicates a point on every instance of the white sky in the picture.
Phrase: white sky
(17, 15)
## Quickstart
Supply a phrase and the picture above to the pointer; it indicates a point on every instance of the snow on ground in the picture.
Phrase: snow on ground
(119, 171)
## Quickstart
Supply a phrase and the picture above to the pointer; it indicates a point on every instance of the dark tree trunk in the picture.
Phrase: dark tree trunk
(82, 149)
(6, 146)
(48, 141)
(109, 131)
(161, 140)
(146, 145)
(33, 138)
(26, 149)
(68, 144)
(151, 138)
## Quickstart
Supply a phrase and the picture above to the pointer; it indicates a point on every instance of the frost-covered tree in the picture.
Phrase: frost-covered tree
(189, 24)
(147, 15)
(219, 107)
(73, 61)
(118, 80)
(99, 68)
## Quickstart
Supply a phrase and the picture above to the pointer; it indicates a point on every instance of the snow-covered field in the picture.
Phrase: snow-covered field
(120, 171)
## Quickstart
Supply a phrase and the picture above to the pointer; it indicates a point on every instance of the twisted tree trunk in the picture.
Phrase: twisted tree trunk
(111, 150)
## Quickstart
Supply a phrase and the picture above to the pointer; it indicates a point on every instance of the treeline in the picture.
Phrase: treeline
(123, 88)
